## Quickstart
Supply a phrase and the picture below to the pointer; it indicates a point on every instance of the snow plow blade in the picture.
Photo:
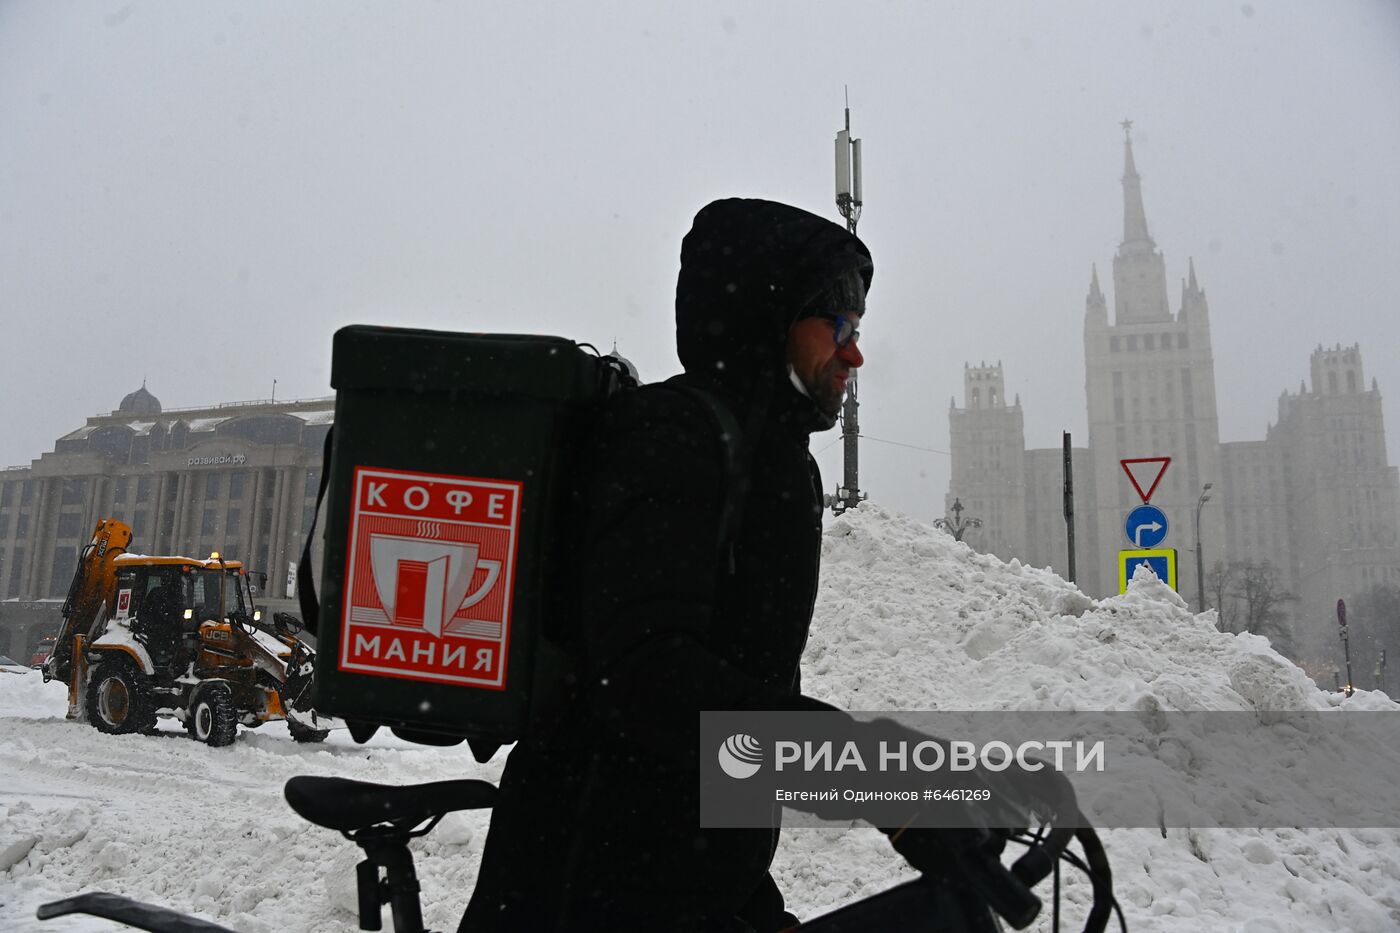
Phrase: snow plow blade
(132, 913)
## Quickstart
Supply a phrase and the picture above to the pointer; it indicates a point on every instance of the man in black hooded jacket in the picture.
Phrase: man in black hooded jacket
(597, 827)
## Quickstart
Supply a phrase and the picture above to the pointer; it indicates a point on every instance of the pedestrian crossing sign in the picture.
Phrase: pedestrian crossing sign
(1161, 561)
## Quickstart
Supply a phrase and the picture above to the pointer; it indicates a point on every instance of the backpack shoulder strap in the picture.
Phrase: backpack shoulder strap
(731, 439)
(306, 587)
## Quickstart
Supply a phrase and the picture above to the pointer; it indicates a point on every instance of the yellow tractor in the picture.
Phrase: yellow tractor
(145, 637)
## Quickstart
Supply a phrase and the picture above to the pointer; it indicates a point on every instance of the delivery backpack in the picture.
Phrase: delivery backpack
(452, 483)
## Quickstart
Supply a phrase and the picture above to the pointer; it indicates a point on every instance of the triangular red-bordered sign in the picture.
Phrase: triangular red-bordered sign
(1162, 464)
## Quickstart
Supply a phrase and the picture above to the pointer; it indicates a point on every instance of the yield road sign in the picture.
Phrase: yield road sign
(1146, 471)
(1161, 561)
(1146, 526)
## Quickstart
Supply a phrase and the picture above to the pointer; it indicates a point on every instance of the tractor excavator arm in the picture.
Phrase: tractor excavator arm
(93, 584)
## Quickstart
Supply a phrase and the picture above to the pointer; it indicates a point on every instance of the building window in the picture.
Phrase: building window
(26, 492)
(140, 524)
(209, 522)
(69, 524)
(235, 485)
(1181, 342)
(231, 523)
(65, 561)
(313, 478)
(119, 489)
(74, 491)
(22, 525)
(7, 493)
(213, 486)
(16, 572)
(143, 489)
(1191, 452)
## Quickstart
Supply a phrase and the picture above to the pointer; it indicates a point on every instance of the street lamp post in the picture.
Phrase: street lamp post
(958, 526)
(1200, 559)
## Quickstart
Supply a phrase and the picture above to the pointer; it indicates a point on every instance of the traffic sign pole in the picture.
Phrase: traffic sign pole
(1346, 642)
(1069, 504)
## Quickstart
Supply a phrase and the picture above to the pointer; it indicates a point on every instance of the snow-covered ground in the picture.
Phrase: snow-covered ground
(907, 619)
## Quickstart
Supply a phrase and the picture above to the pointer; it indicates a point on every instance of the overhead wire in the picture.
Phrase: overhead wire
(881, 440)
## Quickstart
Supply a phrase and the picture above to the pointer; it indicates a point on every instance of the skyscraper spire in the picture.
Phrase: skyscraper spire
(1095, 307)
(1193, 297)
(1139, 271)
(1134, 216)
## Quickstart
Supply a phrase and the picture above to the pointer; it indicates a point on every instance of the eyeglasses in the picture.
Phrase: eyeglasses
(844, 326)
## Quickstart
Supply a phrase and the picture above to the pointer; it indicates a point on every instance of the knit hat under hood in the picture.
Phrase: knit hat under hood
(747, 269)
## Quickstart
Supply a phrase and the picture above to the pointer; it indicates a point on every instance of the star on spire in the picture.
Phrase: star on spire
(1127, 129)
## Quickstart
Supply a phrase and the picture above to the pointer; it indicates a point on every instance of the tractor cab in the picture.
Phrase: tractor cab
(178, 607)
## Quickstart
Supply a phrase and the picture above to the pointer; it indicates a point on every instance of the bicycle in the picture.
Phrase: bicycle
(965, 893)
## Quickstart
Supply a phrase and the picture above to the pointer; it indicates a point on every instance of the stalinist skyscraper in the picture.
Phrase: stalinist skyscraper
(1315, 499)
(1150, 384)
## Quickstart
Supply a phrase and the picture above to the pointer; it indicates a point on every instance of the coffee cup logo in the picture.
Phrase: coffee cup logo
(423, 583)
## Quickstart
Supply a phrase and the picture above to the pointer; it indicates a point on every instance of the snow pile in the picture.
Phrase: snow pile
(910, 619)
(169, 821)
(907, 619)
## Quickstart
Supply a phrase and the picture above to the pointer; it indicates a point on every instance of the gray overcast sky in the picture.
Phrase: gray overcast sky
(200, 194)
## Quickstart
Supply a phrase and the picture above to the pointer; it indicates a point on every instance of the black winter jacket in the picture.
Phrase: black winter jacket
(598, 823)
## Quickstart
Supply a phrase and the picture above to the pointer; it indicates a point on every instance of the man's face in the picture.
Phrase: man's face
(822, 366)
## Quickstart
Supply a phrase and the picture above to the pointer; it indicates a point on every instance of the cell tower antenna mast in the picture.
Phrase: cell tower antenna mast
(849, 201)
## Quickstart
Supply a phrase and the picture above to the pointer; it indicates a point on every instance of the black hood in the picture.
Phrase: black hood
(747, 269)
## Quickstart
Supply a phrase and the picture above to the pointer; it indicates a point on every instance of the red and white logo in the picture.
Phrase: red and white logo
(430, 577)
(123, 604)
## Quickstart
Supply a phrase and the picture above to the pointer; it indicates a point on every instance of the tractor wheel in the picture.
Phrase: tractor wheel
(119, 700)
(301, 733)
(212, 719)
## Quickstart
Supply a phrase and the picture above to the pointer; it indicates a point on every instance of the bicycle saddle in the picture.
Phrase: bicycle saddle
(346, 805)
